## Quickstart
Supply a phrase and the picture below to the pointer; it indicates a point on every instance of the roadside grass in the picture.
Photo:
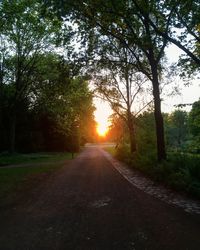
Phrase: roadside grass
(11, 159)
(110, 150)
(17, 180)
(181, 171)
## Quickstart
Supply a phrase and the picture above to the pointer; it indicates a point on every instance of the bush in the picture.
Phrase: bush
(181, 171)
(123, 153)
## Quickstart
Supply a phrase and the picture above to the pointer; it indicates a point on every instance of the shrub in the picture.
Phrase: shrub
(181, 171)
(123, 152)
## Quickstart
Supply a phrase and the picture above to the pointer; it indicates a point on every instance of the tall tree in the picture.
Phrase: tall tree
(120, 84)
(58, 112)
(60, 92)
(122, 20)
(183, 18)
(25, 35)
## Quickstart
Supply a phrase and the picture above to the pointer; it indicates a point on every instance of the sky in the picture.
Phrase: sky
(102, 113)
(189, 94)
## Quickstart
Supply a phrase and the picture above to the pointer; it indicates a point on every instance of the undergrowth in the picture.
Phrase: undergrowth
(180, 171)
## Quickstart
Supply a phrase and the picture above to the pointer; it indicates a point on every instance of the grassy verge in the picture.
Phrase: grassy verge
(7, 159)
(16, 181)
(110, 150)
(181, 171)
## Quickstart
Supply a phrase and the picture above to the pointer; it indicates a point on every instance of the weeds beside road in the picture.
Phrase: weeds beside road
(8, 159)
(181, 171)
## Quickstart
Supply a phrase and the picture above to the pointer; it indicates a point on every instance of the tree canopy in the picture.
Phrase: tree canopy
(38, 84)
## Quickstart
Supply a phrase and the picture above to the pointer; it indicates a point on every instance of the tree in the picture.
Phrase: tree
(58, 112)
(65, 96)
(176, 128)
(194, 126)
(122, 20)
(24, 35)
(183, 20)
(117, 128)
(120, 84)
(146, 136)
(194, 119)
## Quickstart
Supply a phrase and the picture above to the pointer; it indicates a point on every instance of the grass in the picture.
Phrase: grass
(14, 181)
(8, 159)
(181, 171)
(110, 150)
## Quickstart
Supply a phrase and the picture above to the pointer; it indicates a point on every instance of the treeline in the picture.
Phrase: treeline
(45, 101)
(56, 115)
(182, 132)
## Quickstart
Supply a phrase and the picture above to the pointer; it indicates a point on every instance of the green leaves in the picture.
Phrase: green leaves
(194, 119)
(64, 97)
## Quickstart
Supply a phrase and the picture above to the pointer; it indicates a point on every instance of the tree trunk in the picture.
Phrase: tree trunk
(129, 114)
(132, 138)
(161, 152)
(2, 141)
(14, 106)
(131, 132)
(12, 132)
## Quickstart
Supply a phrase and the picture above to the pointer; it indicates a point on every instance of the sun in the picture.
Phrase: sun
(102, 129)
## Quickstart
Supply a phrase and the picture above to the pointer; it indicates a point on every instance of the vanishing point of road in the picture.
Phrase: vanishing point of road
(89, 205)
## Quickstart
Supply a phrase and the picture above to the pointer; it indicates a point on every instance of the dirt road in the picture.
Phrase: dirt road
(89, 205)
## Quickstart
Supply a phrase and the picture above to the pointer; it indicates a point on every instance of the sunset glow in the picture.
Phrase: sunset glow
(102, 129)
(102, 113)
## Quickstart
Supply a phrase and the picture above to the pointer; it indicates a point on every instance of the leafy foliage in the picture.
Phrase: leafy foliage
(177, 131)
(181, 170)
(45, 102)
(58, 112)
(194, 119)
(194, 125)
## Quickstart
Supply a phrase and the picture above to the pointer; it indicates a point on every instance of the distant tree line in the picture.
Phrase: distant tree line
(182, 131)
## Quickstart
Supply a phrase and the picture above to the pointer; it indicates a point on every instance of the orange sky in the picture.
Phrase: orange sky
(102, 113)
